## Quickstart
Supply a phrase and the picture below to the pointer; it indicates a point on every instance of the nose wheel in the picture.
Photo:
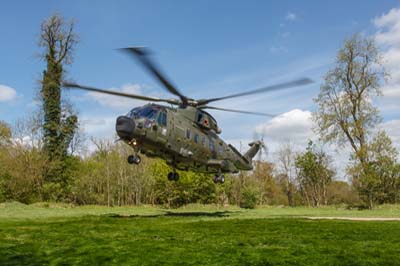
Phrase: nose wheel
(173, 176)
(219, 179)
(134, 159)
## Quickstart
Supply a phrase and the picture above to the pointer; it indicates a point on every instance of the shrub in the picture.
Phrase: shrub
(248, 198)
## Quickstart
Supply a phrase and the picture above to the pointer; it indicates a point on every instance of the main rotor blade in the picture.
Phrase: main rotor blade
(117, 93)
(142, 54)
(236, 111)
(286, 85)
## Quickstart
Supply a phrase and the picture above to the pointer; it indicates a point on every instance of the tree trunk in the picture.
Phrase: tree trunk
(371, 200)
(290, 196)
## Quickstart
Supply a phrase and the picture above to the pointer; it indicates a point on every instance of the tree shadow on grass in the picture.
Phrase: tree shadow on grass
(198, 214)
(117, 215)
(217, 214)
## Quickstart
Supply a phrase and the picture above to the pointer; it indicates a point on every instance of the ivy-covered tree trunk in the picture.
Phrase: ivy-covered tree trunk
(59, 125)
(51, 96)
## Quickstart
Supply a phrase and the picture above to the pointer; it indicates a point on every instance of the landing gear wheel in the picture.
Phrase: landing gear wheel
(173, 176)
(134, 159)
(138, 160)
(219, 179)
(176, 176)
(170, 176)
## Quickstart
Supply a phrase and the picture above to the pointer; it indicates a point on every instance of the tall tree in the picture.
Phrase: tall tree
(268, 187)
(58, 40)
(345, 112)
(286, 157)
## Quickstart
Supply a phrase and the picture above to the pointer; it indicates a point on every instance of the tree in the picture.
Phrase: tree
(20, 165)
(270, 190)
(383, 158)
(5, 134)
(380, 180)
(58, 40)
(286, 157)
(340, 192)
(314, 175)
(345, 113)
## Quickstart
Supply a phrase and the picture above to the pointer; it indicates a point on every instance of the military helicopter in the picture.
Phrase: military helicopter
(184, 134)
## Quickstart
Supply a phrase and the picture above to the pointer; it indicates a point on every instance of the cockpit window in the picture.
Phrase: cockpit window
(132, 112)
(148, 112)
(162, 119)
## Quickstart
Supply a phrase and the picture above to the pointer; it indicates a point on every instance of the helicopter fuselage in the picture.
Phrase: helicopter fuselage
(186, 138)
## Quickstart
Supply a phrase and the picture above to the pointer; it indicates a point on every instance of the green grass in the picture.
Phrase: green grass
(195, 235)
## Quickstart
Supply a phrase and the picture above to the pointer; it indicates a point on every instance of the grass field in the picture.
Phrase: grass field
(44, 234)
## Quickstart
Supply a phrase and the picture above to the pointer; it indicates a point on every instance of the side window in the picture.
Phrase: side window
(196, 137)
(203, 141)
(212, 145)
(188, 133)
(220, 148)
(162, 119)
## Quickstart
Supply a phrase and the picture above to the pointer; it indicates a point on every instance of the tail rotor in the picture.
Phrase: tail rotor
(263, 152)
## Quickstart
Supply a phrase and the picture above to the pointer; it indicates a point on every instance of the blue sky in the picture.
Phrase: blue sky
(208, 48)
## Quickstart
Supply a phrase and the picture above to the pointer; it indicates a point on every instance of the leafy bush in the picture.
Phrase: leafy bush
(249, 198)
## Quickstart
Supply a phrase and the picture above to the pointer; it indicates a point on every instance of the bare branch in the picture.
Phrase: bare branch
(58, 38)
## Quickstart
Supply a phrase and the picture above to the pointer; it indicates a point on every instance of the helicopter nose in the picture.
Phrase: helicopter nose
(124, 127)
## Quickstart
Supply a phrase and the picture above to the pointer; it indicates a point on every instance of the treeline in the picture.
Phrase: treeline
(104, 177)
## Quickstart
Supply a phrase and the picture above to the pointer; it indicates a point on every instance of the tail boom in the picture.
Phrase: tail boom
(255, 146)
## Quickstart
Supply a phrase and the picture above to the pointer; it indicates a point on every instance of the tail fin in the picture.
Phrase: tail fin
(255, 146)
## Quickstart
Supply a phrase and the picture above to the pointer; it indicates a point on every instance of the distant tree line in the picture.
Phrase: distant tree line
(106, 178)
(39, 159)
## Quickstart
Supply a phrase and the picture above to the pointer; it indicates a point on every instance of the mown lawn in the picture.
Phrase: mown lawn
(92, 235)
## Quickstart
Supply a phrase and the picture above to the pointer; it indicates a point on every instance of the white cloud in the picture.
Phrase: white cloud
(7, 93)
(389, 27)
(116, 102)
(100, 127)
(291, 16)
(294, 125)
(392, 57)
(24, 140)
(388, 37)
(392, 128)
(391, 93)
